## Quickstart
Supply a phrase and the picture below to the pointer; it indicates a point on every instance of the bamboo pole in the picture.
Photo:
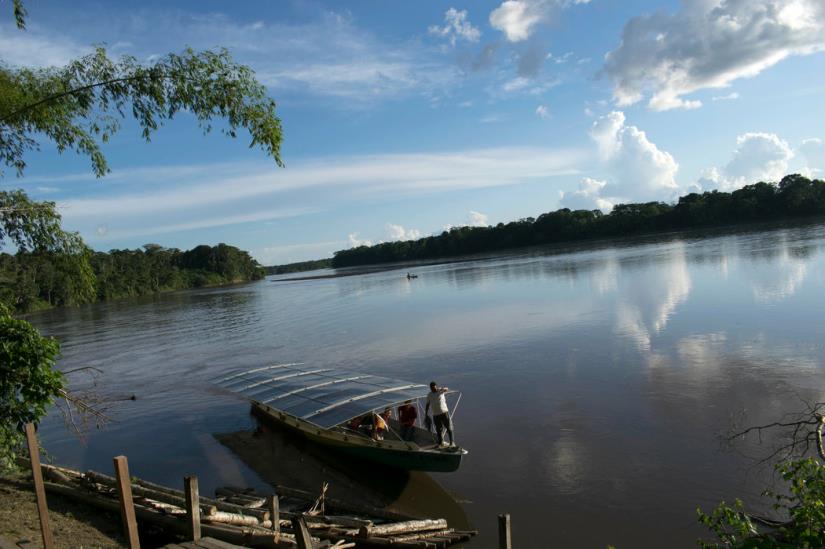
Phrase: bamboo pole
(273, 505)
(40, 492)
(231, 518)
(505, 540)
(193, 509)
(127, 506)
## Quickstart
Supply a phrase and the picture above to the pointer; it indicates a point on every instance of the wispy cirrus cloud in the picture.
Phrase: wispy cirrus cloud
(181, 198)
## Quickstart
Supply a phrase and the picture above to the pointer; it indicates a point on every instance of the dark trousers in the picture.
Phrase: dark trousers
(407, 432)
(442, 421)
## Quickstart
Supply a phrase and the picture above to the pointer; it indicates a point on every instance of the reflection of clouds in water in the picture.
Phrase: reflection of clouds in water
(565, 464)
(701, 350)
(480, 327)
(648, 298)
(780, 280)
(605, 277)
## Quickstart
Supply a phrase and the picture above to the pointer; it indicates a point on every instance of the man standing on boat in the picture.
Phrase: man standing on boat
(437, 401)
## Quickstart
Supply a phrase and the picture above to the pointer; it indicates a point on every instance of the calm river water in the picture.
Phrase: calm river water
(595, 379)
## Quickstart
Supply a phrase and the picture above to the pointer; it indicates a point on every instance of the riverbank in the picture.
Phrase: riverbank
(73, 524)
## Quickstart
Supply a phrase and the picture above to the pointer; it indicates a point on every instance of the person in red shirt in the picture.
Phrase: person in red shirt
(407, 415)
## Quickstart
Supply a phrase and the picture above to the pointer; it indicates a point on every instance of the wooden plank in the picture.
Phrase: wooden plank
(273, 506)
(127, 506)
(40, 492)
(505, 540)
(302, 537)
(193, 509)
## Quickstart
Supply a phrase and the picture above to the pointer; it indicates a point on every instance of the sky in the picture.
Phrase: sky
(402, 119)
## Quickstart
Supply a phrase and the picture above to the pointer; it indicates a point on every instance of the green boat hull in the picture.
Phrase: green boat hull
(397, 454)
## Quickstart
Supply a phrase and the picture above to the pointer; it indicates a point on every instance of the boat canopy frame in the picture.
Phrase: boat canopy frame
(324, 397)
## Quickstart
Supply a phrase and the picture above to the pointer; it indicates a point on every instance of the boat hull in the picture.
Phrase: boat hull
(396, 454)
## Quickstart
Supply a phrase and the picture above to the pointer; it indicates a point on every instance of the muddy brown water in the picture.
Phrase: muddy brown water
(595, 381)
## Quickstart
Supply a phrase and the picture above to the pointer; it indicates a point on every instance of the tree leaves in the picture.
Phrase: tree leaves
(80, 105)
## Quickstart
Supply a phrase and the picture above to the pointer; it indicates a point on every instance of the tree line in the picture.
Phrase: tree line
(300, 266)
(31, 280)
(793, 196)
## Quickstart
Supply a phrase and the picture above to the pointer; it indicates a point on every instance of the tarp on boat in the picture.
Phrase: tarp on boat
(321, 395)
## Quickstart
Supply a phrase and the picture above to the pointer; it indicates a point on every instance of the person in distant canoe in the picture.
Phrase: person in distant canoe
(407, 414)
(437, 401)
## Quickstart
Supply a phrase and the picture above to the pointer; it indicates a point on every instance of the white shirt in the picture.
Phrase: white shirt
(437, 402)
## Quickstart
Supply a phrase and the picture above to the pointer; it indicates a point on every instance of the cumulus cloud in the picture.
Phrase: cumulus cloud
(758, 157)
(517, 19)
(638, 169)
(353, 241)
(38, 48)
(477, 219)
(709, 44)
(587, 197)
(543, 112)
(456, 27)
(813, 151)
(398, 232)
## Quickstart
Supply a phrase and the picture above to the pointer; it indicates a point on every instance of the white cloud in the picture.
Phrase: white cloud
(709, 44)
(543, 112)
(587, 197)
(456, 27)
(477, 219)
(174, 198)
(757, 157)
(517, 19)
(516, 84)
(813, 150)
(398, 232)
(728, 97)
(638, 169)
(35, 47)
(353, 241)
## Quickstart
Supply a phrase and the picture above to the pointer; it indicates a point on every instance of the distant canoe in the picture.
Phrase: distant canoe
(320, 403)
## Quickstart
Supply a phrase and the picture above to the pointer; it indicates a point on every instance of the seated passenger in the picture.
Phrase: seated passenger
(407, 415)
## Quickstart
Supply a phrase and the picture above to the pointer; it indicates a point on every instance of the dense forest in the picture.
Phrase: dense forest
(35, 280)
(794, 196)
(300, 266)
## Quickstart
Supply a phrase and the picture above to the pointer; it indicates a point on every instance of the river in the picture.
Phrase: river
(596, 379)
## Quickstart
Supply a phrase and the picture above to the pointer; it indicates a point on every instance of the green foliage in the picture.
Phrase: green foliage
(30, 281)
(28, 382)
(299, 266)
(803, 505)
(794, 196)
(82, 104)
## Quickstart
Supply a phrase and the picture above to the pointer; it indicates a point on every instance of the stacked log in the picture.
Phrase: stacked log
(239, 517)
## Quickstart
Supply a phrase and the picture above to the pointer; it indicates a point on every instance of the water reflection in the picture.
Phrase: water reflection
(595, 377)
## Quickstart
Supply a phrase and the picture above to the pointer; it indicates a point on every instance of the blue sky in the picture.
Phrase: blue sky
(401, 119)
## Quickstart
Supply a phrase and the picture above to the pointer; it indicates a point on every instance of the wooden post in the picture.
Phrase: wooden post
(39, 490)
(273, 506)
(504, 536)
(127, 507)
(193, 508)
(302, 537)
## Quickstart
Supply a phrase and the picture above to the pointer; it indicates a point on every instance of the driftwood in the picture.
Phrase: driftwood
(231, 518)
(424, 535)
(407, 527)
(239, 536)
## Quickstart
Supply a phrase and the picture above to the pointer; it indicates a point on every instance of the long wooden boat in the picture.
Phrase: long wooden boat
(320, 403)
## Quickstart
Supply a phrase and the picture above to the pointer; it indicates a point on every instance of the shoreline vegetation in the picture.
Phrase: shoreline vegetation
(794, 197)
(31, 281)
